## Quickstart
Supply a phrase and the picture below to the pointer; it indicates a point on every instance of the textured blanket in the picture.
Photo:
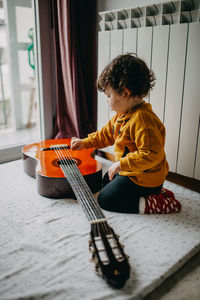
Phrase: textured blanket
(44, 243)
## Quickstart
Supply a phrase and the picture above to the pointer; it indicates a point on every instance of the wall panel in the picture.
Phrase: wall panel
(116, 48)
(116, 43)
(103, 60)
(191, 104)
(130, 40)
(174, 90)
(144, 44)
(103, 49)
(159, 66)
(197, 164)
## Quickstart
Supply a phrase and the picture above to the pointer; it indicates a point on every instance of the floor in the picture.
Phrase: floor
(183, 285)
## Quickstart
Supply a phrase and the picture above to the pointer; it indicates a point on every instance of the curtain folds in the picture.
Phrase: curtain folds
(74, 29)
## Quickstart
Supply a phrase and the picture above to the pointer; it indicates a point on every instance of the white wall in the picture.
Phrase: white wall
(172, 51)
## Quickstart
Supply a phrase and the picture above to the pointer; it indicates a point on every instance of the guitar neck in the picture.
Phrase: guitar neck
(111, 261)
(107, 252)
(83, 193)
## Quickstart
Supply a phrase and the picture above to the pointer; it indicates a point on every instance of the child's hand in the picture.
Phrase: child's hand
(76, 144)
(114, 169)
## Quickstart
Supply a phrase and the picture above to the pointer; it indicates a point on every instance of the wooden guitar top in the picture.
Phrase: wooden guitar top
(48, 162)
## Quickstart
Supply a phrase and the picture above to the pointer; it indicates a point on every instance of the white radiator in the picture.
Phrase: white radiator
(167, 37)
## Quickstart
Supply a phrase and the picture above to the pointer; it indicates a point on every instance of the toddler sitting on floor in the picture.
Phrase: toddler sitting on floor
(134, 183)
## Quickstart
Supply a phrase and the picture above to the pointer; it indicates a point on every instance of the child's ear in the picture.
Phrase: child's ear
(126, 93)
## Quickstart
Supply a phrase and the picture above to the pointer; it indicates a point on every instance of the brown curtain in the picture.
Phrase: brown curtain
(74, 28)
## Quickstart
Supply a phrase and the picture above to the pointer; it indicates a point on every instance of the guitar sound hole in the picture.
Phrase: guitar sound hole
(66, 161)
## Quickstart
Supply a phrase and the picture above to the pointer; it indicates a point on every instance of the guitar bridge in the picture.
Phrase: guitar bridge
(56, 147)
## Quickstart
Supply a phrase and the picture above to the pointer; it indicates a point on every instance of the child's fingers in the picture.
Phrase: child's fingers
(73, 140)
(75, 145)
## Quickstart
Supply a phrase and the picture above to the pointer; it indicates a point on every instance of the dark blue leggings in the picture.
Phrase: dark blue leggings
(122, 194)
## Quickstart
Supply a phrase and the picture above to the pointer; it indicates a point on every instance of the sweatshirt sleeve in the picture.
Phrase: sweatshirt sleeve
(101, 138)
(149, 153)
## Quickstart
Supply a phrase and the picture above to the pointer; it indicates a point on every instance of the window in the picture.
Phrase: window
(22, 75)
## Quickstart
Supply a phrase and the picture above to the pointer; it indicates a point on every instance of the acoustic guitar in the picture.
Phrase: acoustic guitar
(61, 172)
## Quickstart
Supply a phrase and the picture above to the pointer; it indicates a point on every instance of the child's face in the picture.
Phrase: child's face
(116, 101)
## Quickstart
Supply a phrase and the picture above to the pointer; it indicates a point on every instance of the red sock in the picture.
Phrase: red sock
(162, 203)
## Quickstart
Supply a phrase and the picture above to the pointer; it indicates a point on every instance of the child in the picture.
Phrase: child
(134, 182)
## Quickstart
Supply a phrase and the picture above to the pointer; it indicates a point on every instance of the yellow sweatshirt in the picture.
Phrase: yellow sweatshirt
(138, 139)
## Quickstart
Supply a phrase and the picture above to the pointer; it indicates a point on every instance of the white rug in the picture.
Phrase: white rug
(44, 244)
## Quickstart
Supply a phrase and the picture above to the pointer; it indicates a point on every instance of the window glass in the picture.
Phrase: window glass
(19, 115)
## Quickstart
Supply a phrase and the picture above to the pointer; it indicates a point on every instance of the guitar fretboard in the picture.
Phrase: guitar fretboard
(80, 187)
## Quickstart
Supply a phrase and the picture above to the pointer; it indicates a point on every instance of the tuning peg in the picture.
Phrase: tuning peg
(92, 257)
(92, 250)
(90, 245)
(122, 245)
(97, 269)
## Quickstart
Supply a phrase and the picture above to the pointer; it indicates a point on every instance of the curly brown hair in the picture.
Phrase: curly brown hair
(127, 71)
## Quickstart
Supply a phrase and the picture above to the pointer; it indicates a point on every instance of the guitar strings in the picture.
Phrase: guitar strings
(92, 202)
(73, 167)
(80, 180)
(87, 189)
(66, 166)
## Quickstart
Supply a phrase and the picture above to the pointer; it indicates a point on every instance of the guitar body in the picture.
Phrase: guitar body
(41, 162)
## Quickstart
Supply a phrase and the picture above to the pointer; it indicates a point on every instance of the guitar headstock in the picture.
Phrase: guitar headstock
(111, 263)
